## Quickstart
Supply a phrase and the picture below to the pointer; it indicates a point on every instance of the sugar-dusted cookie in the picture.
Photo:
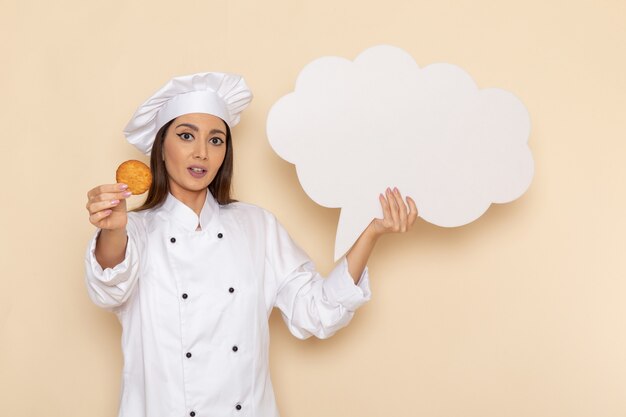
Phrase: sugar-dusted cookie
(136, 175)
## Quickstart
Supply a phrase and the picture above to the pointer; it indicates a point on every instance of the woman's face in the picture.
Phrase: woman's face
(193, 150)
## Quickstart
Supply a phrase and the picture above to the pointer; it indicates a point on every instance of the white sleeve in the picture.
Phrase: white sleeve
(111, 287)
(309, 303)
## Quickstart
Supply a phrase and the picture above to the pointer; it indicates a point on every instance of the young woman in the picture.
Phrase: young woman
(193, 275)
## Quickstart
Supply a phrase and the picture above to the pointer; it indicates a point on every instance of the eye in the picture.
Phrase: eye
(216, 140)
(185, 136)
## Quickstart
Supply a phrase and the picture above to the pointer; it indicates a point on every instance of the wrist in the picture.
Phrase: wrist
(370, 234)
(113, 233)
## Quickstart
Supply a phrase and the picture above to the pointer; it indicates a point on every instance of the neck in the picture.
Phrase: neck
(192, 199)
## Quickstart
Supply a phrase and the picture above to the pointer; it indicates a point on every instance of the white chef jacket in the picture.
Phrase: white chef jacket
(194, 307)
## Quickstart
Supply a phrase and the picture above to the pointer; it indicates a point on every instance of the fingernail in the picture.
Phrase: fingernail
(395, 190)
(114, 202)
(123, 186)
(127, 194)
(388, 189)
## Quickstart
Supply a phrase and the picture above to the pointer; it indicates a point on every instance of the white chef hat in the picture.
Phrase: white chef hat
(219, 94)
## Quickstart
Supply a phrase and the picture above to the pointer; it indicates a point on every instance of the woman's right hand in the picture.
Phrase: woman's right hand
(107, 206)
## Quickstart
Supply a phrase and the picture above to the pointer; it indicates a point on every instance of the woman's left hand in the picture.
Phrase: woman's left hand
(398, 215)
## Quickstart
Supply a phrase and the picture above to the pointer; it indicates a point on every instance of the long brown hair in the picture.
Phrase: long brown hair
(220, 187)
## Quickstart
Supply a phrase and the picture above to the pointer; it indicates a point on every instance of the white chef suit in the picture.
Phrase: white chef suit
(194, 307)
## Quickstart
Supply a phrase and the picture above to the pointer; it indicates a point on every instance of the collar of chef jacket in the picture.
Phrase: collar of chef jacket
(182, 214)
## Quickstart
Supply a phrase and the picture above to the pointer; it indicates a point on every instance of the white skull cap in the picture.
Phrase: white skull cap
(219, 94)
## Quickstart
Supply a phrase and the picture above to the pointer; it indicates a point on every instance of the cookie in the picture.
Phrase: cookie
(136, 175)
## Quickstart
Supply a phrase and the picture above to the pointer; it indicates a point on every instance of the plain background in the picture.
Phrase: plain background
(521, 313)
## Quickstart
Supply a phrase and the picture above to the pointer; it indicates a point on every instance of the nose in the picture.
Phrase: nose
(201, 151)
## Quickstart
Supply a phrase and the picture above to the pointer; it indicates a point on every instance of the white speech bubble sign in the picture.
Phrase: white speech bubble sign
(354, 128)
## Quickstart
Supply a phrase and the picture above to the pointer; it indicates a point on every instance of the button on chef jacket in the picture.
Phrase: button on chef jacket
(206, 353)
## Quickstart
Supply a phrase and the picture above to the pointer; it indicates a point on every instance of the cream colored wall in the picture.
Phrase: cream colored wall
(521, 313)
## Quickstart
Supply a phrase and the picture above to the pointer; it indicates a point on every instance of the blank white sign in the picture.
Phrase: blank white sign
(354, 128)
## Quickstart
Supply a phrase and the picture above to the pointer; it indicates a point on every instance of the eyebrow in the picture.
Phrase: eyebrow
(195, 128)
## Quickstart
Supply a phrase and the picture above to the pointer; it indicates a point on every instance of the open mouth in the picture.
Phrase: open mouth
(197, 172)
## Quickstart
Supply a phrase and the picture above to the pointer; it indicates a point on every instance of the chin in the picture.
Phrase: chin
(198, 188)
